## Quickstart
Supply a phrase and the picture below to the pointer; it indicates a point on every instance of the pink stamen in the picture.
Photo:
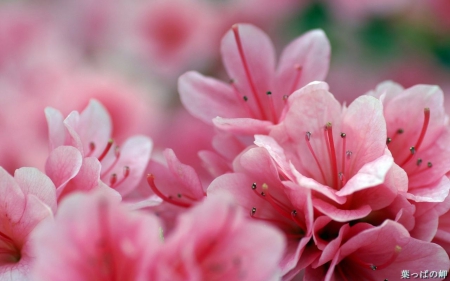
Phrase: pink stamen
(332, 153)
(151, 183)
(126, 173)
(298, 73)
(308, 138)
(272, 108)
(108, 146)
(112, 180)
(235, 29)
(117, 156)
(91, 149)
(415, 148)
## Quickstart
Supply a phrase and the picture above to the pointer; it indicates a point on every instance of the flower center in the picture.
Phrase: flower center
(286, 212)
(9, 252)
(338, 176)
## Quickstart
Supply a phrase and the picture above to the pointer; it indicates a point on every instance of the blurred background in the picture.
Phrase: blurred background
(128, 54)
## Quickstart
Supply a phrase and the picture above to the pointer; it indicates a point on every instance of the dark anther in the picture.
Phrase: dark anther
(343, 135)
(294, 212)
(374, 267)
(245, 98)
(308, 136)
(285, 97)
(254, 185)
(419, 161)
(412, 149)
(179, 195)
(263, 194)
(400, 131)
(429, 164)
(269, 93)
(388, 140)
(253, 211)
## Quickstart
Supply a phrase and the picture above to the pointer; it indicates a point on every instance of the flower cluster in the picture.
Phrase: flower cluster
(300, 186)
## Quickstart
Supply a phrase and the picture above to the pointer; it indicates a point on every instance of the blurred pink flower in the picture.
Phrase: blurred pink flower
(90, 132)
(93, 238)
(213, 241)
(27, 199)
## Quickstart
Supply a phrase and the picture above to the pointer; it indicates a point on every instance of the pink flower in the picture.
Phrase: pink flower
(94, 238)
(27, 199)
(90, 132)
(365, 252)
(338, 153)
(256, 186)
(418, 137)
(256, 95)
(213, 241)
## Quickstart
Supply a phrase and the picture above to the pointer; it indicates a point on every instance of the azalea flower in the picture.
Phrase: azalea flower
(27, 200)
(94, 238)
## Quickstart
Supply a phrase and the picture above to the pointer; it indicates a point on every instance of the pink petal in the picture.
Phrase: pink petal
(436, 192)
(185, 175)
(134, 154)
(311, 52)
(34, 182)
(259, 54)
(63, 164)
(214, 163)
(341, 215)
(207, 98)
(276, 152)
(242, 126)
(56, 129)
(94, 127)
(12, 201)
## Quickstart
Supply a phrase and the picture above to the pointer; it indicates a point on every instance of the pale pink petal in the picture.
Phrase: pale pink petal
(184, 174)
(259, 54)
(63, 164)
(371, 174)
(311, 52)
(12, 200)
(276, 152)
(214, 163)
(34, 182)
(134, 156)
(436, 192)
(94, 127)
(207, 98)
(71, 123)
(56, 129)
(243, 126)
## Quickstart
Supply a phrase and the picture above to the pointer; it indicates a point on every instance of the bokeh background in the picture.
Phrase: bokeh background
(128, 54)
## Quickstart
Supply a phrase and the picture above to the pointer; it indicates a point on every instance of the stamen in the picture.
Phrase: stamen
(419, 161)
(285, 98)
(332, 153)
(272, 108)
(344, 142)
(117, 156)
(413, 149)
(308, 138)
(388, 140)
(429, 165)
(91, 149)
(108, 146)
(254, 186)
(235, 29)
(126, 173)
(151, 183)
(253, 211)
(298, 73)
(112, 180)
(348, 153)
(245, 98)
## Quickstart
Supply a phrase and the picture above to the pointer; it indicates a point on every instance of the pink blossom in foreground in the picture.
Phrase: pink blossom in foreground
(93, 238)
(418, 137)
(365, 252)
(258, 189)
(214, 241)
(27, 199)
(90, 132)
(256, 95)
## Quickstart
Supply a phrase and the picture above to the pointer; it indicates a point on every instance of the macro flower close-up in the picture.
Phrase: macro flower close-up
(201, 140)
